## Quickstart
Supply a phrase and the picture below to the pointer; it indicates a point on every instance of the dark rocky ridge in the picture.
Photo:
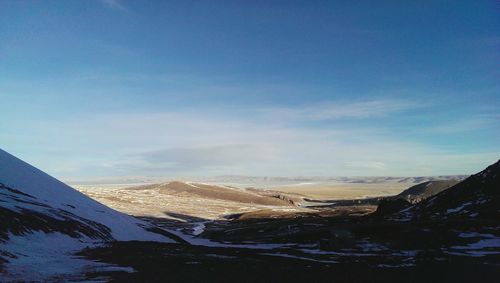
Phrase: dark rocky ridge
(477, 197)
(422, 191)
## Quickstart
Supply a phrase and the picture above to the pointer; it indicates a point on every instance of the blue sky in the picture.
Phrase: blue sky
(290, 88)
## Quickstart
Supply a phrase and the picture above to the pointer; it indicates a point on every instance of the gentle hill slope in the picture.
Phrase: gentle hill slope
(216, 192)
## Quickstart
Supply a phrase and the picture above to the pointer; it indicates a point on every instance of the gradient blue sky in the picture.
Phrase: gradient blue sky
(183, 88)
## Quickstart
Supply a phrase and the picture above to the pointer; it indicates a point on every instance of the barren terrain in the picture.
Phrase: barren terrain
(191, 199)
(217, 201)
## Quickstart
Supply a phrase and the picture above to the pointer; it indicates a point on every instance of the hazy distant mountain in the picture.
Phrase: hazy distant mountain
(264, 181)
(367, 180)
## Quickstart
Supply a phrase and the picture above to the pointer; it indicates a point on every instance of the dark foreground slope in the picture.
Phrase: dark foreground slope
(155, 262)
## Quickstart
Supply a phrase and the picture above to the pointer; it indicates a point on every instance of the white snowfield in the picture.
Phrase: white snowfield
(23, 177)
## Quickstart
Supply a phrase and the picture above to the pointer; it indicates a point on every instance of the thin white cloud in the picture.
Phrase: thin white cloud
(336, 110)
(203, 142)
(198, 157)
(112, 138)
(114, 4)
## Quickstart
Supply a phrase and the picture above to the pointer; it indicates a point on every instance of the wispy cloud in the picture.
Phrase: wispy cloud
(199, 157)
(204, 143)
(338, 110)
(338, 139)
(114, 4)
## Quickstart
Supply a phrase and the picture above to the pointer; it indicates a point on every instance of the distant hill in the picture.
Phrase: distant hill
(425, 190)
(412, 195)
(226, 193)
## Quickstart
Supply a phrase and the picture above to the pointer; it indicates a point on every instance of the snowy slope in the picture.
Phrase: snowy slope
(43, 222)
(44, 189)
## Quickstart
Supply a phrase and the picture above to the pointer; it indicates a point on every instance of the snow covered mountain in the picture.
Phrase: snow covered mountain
(41, 216)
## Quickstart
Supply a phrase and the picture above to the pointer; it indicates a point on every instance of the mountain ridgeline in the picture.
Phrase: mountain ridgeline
(478, 196)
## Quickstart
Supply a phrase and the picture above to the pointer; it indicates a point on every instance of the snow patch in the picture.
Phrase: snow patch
(457, 209)
(199, 228)
(49, 257)
(299, 257)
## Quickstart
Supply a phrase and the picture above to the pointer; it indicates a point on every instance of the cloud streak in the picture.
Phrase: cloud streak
(114, 4)
(199, 157)
(206, 142)
(336, 110)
